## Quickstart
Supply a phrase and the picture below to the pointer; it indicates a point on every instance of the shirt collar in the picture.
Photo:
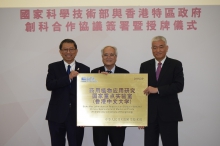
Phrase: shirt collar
(162, 61)
(113, 69)
(71, 64)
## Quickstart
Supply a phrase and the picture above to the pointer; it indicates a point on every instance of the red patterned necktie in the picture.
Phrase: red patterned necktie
(158, 70)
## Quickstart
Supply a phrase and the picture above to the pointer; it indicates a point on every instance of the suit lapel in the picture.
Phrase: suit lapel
(102, 69)
(77, 67)
(62, 68)
(164, 69)
(152, 70)
(116, 69)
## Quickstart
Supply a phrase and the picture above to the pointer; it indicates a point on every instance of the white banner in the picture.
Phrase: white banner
(30, 38)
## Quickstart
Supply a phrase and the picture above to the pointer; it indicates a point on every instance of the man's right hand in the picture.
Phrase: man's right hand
(73, 74)
(103, 72)
(141, 127)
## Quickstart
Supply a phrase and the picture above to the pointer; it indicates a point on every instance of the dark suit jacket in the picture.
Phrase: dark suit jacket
(170, 83)
(62, 95)
(102, 68)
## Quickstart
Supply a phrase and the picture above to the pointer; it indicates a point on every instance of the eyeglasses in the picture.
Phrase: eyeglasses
(108, 55)
(160, 47)
(70, 50)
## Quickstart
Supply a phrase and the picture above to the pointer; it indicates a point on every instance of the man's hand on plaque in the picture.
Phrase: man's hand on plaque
(150, 90)
(141, 127)
(103, 72)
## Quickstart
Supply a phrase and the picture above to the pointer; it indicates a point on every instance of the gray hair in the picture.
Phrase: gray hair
(116, 52)
(159, 38)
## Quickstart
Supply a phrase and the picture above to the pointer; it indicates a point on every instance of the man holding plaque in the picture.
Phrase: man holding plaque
(61, 80)
(165, 81)
(116, 134)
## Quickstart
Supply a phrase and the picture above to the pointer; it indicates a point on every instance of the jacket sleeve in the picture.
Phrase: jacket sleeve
(142, 68)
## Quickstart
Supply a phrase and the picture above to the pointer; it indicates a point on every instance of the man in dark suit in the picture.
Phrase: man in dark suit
(165, 81)
(61, 80)
(116, 134)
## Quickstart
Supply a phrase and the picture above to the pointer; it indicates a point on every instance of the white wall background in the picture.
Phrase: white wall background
(24, 58)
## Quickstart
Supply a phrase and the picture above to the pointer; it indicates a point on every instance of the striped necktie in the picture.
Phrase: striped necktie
(158, 70)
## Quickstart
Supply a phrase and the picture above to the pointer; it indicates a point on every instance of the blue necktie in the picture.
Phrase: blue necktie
(109, 71)
(68, 72)
(68, 69)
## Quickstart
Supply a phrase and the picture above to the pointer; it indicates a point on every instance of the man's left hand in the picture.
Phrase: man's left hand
(150, 90)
